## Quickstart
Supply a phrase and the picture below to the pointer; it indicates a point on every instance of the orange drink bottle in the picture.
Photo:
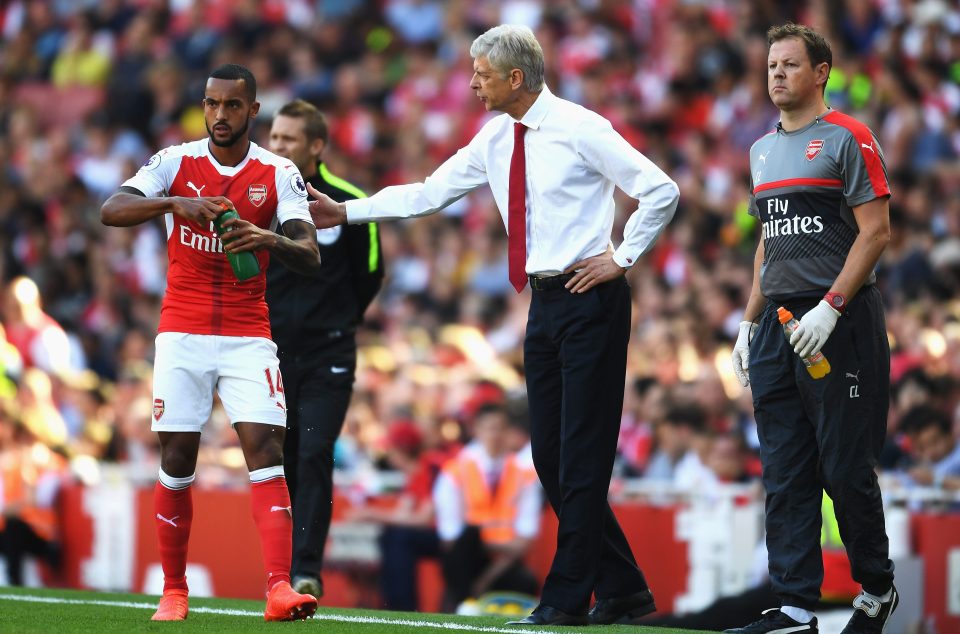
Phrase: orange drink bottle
(817, 364)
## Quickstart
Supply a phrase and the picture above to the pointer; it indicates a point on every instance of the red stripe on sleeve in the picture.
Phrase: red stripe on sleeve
(868, 150)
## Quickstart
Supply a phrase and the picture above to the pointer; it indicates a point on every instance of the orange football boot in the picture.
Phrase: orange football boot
(286, 604)
(173, 606)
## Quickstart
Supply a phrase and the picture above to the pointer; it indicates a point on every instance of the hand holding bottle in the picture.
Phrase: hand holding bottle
(242, 235)
(814, 329)
(243, 263)
(817, 364)
(199, 210)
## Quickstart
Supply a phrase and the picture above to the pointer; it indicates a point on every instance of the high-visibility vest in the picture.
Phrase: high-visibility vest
(19, 473)
(494, 512)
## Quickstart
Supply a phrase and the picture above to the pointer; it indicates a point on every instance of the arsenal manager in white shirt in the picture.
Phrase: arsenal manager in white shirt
(552, 166)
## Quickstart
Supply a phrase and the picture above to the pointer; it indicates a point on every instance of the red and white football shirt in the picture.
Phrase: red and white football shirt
(203, 297)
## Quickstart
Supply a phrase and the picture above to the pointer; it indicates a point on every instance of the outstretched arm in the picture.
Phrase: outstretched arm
(325, 211)
(455, 178)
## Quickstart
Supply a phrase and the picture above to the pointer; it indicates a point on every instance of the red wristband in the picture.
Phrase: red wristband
(836, 300)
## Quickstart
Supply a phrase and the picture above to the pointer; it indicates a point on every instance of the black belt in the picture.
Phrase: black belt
(550, 283)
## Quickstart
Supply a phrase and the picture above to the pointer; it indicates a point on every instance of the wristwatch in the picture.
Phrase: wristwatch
(836, 300)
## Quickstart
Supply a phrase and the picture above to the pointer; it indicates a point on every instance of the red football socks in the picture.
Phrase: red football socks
(273, 515)
(173, 515)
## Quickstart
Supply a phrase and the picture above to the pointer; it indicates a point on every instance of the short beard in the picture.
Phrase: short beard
(230, 142)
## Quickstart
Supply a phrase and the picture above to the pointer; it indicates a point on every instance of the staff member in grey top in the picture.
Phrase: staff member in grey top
(820, 191)
(552, 167)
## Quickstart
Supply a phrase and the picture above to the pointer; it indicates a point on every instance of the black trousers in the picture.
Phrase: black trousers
(466, 559)
(823, 434)
(317, 392)
(575, 356)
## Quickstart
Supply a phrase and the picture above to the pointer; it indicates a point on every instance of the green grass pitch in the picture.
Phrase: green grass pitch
(55, 610)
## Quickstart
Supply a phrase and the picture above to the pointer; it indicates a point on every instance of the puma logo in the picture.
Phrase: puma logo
(855, 377)
(763, 157)
(869, 606)
(168, 521)
(868, 147)
(194, 188)
(274, 509)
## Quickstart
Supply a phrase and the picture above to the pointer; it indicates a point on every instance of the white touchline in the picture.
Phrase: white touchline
(343, 618)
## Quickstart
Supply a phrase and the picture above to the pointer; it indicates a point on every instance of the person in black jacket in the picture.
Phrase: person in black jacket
(313, 321)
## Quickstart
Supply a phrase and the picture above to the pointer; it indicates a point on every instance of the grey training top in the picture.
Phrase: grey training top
(805, 184)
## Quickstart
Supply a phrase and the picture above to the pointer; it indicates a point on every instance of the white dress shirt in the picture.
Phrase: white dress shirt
(451, 507)
(574, 159)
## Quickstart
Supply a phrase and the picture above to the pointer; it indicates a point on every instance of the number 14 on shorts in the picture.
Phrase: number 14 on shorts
(275, 384)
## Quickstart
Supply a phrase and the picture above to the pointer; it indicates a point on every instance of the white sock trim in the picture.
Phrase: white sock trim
(797, 614)
(176, 484)
(882, 599)
(267, 473)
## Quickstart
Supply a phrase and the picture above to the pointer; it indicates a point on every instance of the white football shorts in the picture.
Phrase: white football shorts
(244, 371)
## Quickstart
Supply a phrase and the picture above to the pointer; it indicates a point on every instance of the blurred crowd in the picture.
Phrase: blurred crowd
(89, 89)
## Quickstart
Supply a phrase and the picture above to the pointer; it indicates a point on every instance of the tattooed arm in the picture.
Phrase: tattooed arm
(296, 249)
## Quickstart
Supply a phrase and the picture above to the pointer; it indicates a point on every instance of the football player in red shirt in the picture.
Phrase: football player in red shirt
(214, 331)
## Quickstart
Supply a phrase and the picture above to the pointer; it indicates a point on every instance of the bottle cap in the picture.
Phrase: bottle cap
(784, 315)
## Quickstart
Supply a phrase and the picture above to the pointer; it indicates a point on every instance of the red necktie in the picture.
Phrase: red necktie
(517, 211)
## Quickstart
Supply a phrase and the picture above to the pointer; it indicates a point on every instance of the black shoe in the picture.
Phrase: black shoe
(308, 585)
(545, 615)
(869, 615)
(774, 621)
(622, 609)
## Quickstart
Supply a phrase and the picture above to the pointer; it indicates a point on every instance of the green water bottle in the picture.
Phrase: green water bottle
(245, 264)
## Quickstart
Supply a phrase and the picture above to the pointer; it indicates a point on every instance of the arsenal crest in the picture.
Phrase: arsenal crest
(258, 193)
(157, 408)
(813, 148)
